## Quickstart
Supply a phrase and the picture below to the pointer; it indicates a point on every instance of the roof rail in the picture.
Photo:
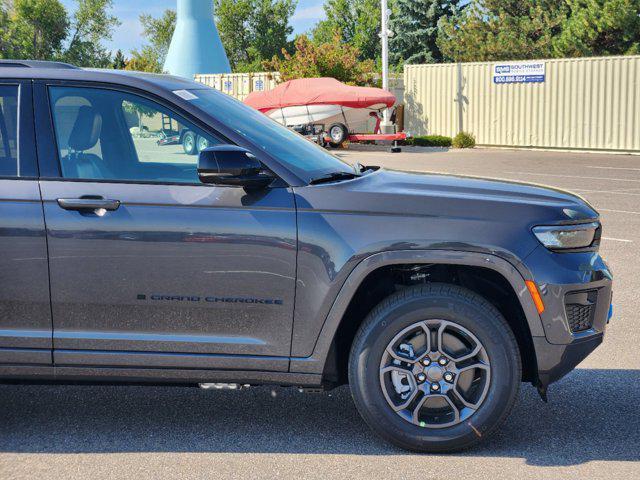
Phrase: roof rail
(35, 64)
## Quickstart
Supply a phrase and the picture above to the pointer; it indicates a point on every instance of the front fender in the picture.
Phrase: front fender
(515, 275)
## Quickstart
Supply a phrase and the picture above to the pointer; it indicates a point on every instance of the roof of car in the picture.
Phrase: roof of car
(43, 70)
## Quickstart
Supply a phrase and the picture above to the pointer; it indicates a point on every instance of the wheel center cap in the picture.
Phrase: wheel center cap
(434, 373)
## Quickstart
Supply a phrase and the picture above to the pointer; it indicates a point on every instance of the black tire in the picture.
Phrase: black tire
(449, 303)
(189, 143)
(338, 133)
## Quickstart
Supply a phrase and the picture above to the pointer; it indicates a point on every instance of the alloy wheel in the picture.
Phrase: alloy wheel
(435, 374)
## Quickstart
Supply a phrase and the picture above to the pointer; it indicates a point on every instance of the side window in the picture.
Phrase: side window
(9, 131)
(110, 135)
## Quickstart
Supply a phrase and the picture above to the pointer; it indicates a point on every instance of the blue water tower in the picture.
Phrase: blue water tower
(196, 46)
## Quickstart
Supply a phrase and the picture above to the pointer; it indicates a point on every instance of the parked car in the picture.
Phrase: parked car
(267, 260)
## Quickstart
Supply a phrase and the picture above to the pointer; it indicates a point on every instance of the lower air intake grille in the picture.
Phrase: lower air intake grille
(580, 308)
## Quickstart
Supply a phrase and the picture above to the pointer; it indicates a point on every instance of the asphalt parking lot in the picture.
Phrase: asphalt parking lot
(589, 429)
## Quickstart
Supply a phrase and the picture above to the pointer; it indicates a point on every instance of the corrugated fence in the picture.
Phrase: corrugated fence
(583, 103)
(239, 85)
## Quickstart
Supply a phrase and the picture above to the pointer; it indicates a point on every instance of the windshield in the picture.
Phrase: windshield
(304, 158)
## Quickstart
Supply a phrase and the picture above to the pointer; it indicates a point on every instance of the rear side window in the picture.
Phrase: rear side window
(9, 131)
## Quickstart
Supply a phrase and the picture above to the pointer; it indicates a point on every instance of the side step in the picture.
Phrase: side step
(222, 386)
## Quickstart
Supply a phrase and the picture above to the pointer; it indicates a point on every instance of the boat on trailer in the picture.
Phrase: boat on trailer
(324, 106)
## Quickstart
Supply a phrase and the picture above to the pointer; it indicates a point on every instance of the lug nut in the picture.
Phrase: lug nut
(426, 361)
(435, 387)
(448, 377)
(421, 377)
(443, 361)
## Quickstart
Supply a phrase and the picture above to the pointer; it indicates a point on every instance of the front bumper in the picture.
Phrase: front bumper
(563, 280)
(555, 361)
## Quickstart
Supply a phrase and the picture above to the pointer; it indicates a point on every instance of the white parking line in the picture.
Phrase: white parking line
(613, 168)
(624, 240)
(614, 192)
(618, 211)
(575, 176)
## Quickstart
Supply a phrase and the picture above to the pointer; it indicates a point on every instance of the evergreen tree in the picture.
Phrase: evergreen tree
(415, 27)
(490, 30)
(599, 27)
(119, 61)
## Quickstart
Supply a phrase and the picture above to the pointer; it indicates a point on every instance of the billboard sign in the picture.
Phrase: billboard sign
(519, 72)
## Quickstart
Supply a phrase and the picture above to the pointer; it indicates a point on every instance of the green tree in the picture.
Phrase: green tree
(232, 18)
(91, 25)
(416, 30)
(489, 30)
(36, 29)
(599, 27)
(253, 31)
(119, 61)
(357, 22)
(141, 111)
(4, 28)
(331, 59)
(158, 33)
(270, 28)
(145, 60)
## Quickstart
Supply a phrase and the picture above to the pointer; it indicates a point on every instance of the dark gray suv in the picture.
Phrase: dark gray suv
(255, 257)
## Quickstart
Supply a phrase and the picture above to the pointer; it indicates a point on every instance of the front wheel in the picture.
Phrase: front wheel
(434, 368)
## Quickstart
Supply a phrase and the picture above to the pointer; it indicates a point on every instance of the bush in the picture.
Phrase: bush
(334, 59)
(464, 140)
(429, 141)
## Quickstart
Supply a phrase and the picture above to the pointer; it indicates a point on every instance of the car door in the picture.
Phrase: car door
(25, 313)
(149, 267)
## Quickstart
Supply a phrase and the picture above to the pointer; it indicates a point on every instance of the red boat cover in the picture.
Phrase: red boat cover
(315, 91)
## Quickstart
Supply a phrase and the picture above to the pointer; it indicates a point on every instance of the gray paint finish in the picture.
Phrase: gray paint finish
(25, 315)
(343, 223)
(199, 283)
(217, 244)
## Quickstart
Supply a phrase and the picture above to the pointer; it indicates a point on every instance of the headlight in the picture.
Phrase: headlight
(568, 237)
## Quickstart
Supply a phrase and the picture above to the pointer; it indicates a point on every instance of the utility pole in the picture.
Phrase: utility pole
(384, 35)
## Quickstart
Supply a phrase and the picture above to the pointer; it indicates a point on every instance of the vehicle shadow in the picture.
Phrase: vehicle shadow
(592, 415)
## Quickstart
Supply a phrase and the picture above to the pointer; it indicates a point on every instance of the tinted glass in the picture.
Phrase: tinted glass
(9, 131)
(304, 158)
(110, 135)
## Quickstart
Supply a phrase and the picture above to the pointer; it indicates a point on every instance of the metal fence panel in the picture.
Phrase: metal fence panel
(239, 85)
(584, 103)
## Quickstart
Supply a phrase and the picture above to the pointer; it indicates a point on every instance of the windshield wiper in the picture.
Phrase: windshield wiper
(333, 177)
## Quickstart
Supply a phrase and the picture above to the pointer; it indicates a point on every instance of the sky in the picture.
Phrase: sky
(128, 35)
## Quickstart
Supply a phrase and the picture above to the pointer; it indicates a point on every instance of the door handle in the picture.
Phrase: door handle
(85, 204)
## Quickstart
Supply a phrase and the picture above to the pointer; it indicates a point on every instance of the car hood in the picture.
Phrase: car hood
(398, 193)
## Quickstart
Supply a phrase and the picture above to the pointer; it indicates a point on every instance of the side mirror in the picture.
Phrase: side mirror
(231, 165)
